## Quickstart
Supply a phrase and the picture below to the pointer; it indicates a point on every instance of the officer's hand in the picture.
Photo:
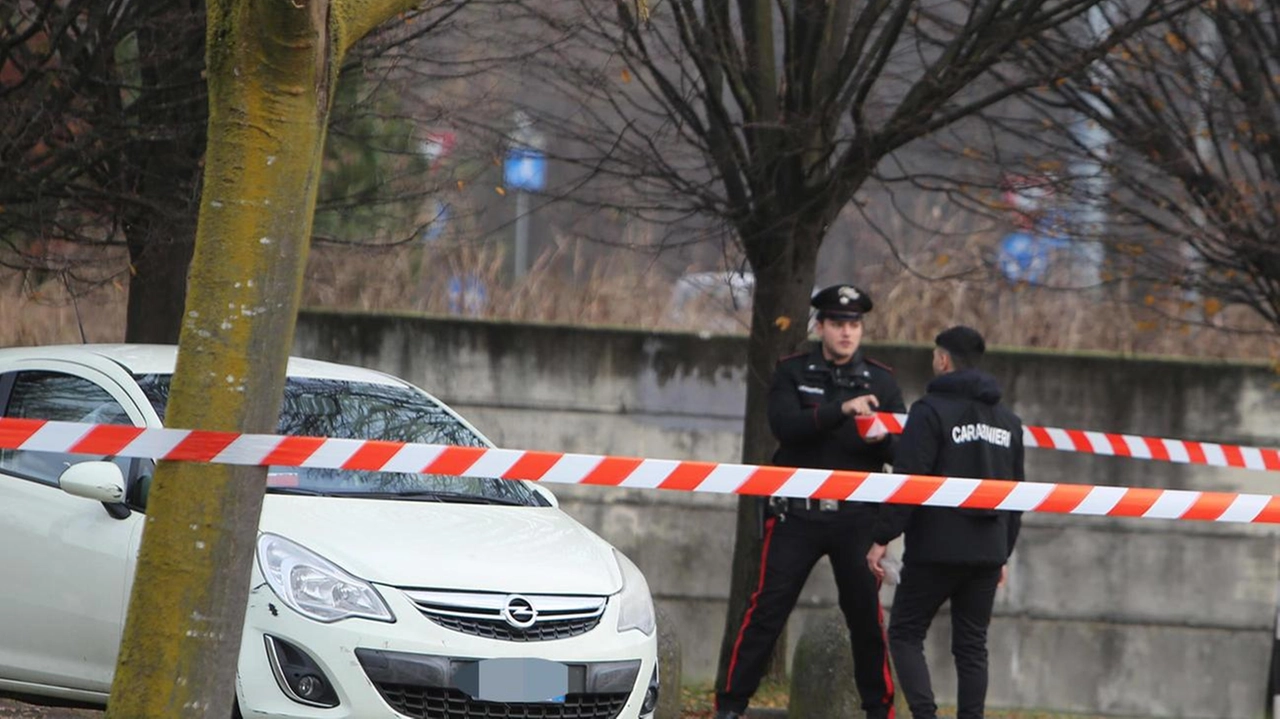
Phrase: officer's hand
(873, 560)
(1004, 575)
(865, 405)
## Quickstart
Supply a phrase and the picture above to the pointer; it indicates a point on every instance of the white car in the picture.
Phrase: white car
(441, 597)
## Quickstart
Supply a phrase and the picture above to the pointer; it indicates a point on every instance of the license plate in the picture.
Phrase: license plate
(514, 680)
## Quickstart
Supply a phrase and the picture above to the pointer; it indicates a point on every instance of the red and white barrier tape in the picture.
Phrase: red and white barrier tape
(566, 468)
(1182, 451)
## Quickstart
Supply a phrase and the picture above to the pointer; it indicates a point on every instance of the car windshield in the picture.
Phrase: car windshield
(363, 410)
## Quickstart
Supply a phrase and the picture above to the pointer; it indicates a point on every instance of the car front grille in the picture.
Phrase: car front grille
(439, 703)
(487, 615)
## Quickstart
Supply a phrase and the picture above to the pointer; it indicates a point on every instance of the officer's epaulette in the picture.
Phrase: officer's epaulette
(791, 357)
(880, 364)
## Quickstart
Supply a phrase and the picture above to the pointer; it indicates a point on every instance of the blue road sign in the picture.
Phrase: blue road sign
(525, 169)
(1025, 257)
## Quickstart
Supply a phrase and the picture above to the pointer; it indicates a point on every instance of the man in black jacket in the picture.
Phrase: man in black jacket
(812, 401)
(958, 429)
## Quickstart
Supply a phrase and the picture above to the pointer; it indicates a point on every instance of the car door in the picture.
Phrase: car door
(67, 564)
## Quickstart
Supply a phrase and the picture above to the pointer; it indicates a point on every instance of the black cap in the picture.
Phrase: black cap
(841, 302)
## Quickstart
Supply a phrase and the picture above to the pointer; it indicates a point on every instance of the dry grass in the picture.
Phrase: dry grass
(625, 289)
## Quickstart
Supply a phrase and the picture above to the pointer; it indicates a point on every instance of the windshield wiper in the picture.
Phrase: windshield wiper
(298, 490)
(430, 495)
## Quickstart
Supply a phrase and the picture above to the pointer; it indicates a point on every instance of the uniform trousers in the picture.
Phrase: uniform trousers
(925, 586)
(792, 545)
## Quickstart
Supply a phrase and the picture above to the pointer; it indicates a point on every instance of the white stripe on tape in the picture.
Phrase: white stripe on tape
(412, 458)
(494, 463)
(1171, 504)
(1099, 500)
(571, 468)
(651, 473)
(1245, 508)
(803, 483)
(1026, 496)
(726, 478)
(953, 492)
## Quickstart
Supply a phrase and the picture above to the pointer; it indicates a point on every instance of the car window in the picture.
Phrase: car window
(61, 397)
(363, 410)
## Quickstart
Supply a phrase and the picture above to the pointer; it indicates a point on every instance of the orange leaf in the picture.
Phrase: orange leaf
(783, 323)
(500, 191)
(1212, 306)
(626, 75)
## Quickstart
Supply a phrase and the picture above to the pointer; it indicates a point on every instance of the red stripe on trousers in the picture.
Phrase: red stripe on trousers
(751, 607)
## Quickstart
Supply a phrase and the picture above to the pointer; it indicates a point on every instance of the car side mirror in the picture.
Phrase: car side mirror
(545, 494)
(99, 481)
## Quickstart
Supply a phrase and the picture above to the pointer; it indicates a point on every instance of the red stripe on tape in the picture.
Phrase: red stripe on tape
(455, 460)
(989, 494)
(293, 451)
(372, 455)
(1209, 506)
(1271, 459)
(13, 432)
(532, 465)
(106, 439)
(1233, 455)
(1271, 512)
(1135, 502)
(1041, 436)
(1064, 498)
(611, 471)
(1195, 452)
(766, 481)
(916, 490)
(840, 485)
(1157, 448)
(1119, 446)
(1079, 440)
(201, 446)
(687, 476)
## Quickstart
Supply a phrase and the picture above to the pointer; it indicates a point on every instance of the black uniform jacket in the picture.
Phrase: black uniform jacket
(805, 416)
(958, 429)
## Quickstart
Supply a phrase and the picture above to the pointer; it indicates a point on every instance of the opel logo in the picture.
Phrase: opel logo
(519, 612)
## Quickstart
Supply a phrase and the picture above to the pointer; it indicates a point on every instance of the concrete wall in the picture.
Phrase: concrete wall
(1106, 616)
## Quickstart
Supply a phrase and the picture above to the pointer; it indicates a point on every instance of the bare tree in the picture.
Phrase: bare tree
(1189, 165)
(103, 115)
(764, 118)
(103, 130)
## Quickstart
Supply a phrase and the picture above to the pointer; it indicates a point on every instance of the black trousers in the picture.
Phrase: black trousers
(792, 545)
(924, 587)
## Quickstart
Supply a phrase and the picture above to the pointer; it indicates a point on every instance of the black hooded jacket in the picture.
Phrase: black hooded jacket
(959, 429)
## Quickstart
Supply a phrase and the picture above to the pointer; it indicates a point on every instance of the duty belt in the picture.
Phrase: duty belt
(822, 505)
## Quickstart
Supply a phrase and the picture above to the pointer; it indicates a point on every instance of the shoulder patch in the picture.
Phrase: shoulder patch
(880, 364)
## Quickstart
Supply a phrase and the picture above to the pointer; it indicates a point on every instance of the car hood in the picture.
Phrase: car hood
(419, 544)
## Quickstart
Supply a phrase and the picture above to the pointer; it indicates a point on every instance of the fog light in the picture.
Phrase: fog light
(298, 675)
(310, 687)
(650, 703)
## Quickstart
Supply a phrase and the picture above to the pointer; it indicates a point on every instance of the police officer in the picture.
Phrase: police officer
(959, 429)
(811, 404)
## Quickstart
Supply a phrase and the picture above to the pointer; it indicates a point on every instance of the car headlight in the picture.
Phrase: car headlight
(635, 606)
(315, 587)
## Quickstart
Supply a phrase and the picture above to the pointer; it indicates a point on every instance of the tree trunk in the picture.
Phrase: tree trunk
(272, 65)
(784, 265)
(165, 162)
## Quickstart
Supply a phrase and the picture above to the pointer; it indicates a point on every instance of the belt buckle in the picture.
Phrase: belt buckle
(828, 505)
